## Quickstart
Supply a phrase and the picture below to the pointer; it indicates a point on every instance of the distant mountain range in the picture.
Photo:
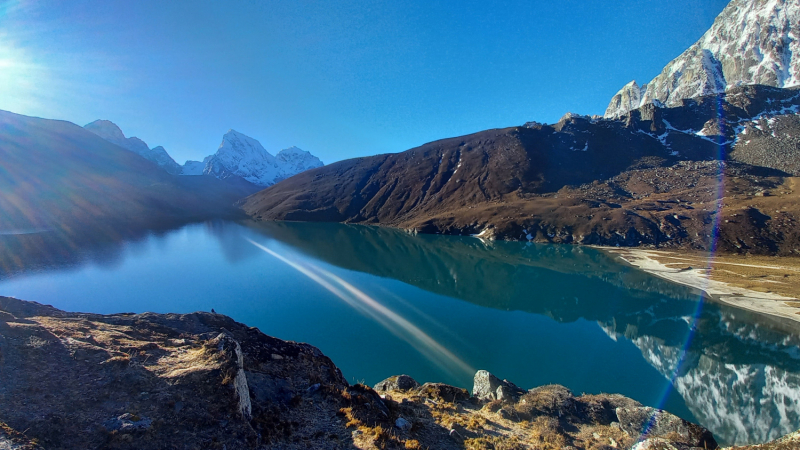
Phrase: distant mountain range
(237, 156)
(705, 156)
(698, 158)
(61, 179)
(750, 42)
(242, 156)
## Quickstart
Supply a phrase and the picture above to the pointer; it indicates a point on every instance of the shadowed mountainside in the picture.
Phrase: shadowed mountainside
(66, 184)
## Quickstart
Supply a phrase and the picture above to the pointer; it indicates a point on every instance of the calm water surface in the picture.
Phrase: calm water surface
(381, 302)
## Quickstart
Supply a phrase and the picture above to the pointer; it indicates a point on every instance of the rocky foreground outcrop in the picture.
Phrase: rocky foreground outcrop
(202, 380)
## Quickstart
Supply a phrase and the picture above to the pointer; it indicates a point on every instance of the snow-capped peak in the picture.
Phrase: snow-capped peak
(295, 160)
(750, 42)
(243, 156)
(235, 143)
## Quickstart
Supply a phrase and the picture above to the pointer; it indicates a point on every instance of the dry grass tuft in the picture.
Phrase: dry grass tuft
(548, 400)
(548, 432)
(494, 443)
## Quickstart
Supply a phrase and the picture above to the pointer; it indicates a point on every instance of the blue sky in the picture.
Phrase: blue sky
(340, 79)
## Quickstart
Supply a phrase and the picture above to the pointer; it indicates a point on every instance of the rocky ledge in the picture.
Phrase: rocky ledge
(202, 380)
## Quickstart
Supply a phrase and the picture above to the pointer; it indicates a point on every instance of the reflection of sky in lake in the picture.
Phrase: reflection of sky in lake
(381, 302)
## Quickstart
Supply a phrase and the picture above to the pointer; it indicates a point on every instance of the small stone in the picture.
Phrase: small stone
(402, 424)
(274, 356)
(660, 444)
(127, 423)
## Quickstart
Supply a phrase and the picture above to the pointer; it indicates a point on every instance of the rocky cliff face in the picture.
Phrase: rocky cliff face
(750, 42)
(111, 132)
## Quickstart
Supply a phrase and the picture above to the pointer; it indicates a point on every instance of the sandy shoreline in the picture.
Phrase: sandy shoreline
(700, 272)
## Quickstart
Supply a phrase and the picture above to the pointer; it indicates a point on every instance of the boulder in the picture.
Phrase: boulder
(396, 383)
(441, 391)
(488, 387)
(645, 423)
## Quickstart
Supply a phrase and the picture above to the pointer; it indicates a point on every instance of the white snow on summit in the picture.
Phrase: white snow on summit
(111, 132)
(750, 42)
(193, 168)
(294, 160)
(243, 156)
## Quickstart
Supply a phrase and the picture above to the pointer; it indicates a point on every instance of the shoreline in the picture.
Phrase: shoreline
(703, 279)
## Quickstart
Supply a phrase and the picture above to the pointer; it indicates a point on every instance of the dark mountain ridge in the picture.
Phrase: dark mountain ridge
(581, 180)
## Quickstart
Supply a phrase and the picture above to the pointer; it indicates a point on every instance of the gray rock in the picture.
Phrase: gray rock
(660, 444)
(646, 422)
(441, 391)
(127, 423)
(402, 424)
(397, 383)
(488, 387)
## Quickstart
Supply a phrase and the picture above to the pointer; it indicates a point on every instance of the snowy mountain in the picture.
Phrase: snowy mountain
(242, 156)
(750, 42)
(111, 132)
(193, 168)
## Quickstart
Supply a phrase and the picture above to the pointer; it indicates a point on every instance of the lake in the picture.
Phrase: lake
(383, 302)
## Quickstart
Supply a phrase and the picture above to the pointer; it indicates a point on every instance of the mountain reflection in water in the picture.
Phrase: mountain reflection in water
(740, 378)
(531, 313)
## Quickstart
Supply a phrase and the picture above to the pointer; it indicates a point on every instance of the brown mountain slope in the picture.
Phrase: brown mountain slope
(654, 177)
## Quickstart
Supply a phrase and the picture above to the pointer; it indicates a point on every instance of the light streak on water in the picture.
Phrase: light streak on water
(389, 319)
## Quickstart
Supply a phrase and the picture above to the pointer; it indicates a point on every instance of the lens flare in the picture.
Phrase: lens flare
(722, 147)
(389, 319)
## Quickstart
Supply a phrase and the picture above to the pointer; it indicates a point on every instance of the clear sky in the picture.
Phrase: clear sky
(340, 79)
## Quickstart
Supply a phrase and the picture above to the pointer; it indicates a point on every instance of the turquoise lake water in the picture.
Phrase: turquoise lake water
(382, 302)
